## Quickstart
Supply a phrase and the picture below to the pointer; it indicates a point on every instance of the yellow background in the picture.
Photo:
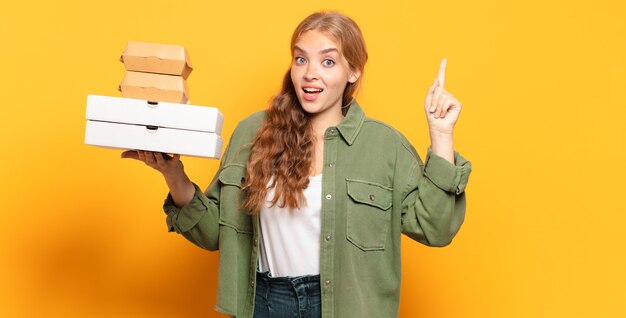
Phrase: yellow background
(542, 84)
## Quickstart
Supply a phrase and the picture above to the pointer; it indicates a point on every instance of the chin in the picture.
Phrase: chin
(310, 108)
(307, 105)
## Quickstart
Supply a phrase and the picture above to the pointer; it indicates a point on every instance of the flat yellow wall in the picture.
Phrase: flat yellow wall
(542, 83)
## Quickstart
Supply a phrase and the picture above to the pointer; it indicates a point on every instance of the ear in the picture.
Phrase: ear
(354, 77)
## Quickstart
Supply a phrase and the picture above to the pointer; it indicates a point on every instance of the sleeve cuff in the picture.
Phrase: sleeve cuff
(183, 219)
(446, 176)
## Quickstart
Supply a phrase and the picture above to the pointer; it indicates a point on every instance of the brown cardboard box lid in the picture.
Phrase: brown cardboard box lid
(156, 58)
(154, 87)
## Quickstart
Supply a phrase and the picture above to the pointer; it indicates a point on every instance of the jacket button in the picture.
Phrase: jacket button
(251, 283)
(328, 237)
(331, 164)
(329, 196)
(327, 282)
(372, 197)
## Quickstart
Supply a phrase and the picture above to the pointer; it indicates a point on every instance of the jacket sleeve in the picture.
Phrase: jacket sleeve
(198, 221)
(433, 205)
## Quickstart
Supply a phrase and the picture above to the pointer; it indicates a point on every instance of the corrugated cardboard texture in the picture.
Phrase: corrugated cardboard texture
(157, 58)
(154, 87)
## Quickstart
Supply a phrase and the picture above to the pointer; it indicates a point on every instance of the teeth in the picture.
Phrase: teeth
(313, 90)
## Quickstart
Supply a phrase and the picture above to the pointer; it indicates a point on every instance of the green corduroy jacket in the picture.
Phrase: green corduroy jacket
(374, 187)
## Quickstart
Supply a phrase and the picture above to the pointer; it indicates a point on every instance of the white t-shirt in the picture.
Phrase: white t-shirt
(290, 238)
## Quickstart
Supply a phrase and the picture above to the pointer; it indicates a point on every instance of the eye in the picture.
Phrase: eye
(328, 62)
(300, 60)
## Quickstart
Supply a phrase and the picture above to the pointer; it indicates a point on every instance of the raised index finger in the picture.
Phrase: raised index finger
(442, 71)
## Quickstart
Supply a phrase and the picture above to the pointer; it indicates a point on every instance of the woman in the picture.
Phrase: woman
(311, 196)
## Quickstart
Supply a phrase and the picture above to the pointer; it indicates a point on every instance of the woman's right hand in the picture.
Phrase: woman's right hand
(169, 166)
(181, 188)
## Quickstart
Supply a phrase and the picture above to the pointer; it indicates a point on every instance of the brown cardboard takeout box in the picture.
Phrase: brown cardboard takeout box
(154, 87)
(157, 58)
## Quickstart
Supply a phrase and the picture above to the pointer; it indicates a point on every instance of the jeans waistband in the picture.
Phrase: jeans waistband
(265, 276)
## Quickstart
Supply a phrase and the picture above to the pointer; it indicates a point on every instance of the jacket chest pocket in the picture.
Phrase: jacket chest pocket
(368, 214)
(232, 177)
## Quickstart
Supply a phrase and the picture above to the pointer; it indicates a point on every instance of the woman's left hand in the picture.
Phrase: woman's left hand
(442, 108)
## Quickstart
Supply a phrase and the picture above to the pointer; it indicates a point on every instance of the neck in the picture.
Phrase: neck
(320, 122)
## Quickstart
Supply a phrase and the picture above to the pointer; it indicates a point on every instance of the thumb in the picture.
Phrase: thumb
(132, 154)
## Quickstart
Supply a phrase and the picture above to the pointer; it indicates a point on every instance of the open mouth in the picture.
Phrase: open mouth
(311, 90)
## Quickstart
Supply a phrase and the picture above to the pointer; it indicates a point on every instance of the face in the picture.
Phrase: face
(320, 74)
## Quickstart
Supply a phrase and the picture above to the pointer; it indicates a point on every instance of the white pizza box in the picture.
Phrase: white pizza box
(152, 138)
(160, 114)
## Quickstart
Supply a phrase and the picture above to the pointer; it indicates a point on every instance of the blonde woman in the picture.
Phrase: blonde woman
(311, 196)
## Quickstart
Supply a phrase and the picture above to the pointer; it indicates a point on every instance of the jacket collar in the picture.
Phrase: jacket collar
(350, 126)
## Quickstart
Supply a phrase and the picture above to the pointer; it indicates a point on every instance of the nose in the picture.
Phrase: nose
(311, 73)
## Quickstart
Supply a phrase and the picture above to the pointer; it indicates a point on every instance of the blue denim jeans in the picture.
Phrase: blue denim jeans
(287, 297)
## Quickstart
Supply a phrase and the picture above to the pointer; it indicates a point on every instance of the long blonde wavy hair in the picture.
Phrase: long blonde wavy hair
(283, 148)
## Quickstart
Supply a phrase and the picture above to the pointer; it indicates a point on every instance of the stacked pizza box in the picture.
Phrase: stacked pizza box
(154, 113)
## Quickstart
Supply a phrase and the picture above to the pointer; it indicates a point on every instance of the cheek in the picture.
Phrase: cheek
(337, 77)
(339, 81)
(294, 76)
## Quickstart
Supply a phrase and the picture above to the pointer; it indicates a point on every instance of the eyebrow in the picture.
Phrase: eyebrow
(324, 51)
